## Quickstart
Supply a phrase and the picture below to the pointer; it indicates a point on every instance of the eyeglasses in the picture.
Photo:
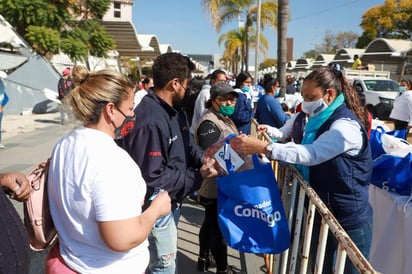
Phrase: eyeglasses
(226, 99)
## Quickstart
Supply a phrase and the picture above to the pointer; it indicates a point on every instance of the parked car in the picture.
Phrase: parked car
(378, 94)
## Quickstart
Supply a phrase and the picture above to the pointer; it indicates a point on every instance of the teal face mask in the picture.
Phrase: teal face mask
(226, 110)
(402, 89)
(277, 92)
(245, 89)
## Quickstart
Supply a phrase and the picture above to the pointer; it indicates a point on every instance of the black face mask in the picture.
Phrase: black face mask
(125, 128)
(178, 103)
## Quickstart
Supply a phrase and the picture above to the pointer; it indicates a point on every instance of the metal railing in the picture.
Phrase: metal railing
(301, 203)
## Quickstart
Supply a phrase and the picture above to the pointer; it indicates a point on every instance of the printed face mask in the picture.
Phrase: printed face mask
(226, 110)
(125, 128)
(314, 108)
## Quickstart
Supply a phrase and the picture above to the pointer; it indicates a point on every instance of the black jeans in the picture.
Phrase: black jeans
(400, 124)
(210, 237)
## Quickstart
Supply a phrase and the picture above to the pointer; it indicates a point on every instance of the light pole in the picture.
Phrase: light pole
(239, 62)
(257, 42)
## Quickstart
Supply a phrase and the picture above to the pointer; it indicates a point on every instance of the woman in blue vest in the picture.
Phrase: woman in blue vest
(334, 156)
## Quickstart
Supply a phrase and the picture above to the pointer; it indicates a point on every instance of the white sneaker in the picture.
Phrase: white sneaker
(2, 146)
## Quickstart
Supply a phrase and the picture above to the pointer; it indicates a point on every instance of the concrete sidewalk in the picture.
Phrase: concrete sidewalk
(13, 125)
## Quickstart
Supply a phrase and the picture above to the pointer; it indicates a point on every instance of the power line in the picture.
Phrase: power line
(323, 11)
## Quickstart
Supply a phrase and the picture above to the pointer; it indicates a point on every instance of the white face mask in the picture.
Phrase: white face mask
(313, 108)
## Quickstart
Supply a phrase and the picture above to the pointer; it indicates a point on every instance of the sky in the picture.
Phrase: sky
(186, 26)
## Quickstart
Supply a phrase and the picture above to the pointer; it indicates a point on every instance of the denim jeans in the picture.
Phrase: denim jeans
(163, 244)
(361, 236)
(64, 112)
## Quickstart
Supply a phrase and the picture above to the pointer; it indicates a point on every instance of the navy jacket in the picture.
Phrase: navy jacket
(163, 147)
(242, 117)
(343, 182)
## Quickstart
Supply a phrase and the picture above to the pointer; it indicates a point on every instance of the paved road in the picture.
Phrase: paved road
(26, 149)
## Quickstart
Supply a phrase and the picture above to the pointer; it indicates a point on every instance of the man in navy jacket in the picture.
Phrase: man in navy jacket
(162, 146)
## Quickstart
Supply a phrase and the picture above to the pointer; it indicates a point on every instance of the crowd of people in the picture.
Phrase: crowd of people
(117, 183)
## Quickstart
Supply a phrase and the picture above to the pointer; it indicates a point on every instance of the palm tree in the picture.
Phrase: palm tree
(235, 42)
(225, 11)
(282, 45)
(229, 61)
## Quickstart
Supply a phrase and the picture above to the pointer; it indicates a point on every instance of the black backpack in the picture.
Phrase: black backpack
(65, 86)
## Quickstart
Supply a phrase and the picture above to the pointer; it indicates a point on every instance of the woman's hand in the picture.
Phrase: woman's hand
(248, 145)
(162, 203)
(17, 184)
(262, 128)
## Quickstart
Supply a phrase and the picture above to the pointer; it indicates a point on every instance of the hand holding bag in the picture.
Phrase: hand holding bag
(250, 211)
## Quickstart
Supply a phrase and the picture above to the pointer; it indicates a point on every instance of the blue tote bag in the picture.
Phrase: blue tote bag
(393, 173)
(250, 211)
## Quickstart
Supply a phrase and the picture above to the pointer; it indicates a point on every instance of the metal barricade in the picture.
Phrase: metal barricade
(301, 203)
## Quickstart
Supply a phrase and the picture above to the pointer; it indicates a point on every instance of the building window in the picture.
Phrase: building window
(116, 5)
(116, 14)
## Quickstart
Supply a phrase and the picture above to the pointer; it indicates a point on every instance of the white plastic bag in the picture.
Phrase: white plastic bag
(394, 145)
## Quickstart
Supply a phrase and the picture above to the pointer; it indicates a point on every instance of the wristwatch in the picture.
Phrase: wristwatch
(269, 149)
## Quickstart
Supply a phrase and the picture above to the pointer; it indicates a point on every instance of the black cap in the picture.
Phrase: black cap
(221, 89)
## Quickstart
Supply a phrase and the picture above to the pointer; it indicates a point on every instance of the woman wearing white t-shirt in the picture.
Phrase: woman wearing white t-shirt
(95, 188)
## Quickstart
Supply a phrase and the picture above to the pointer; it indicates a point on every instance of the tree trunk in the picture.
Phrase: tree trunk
(283, 13)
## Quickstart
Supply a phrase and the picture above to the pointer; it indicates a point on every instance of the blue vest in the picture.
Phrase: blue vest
(343, 182)
(298, 127)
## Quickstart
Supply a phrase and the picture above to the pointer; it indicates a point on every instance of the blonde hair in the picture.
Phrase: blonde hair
(94, 91)
(79, 73)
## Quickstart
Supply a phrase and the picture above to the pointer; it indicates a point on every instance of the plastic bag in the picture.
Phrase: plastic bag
(391, 143)
(239, 160)
(375, 139)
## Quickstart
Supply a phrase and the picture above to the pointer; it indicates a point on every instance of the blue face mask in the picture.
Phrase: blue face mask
(245, 89)
(402, 89)
(277, 92)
